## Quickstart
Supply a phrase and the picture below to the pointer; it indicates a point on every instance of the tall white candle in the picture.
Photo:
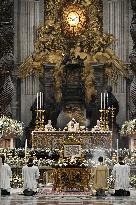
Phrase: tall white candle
(40, 101)
(104, 100)
(25, 149)
(37, 101)
(117, 150)
(101, 100)
(107, 100)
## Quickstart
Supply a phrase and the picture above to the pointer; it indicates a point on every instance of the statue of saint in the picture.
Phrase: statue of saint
(49, 127)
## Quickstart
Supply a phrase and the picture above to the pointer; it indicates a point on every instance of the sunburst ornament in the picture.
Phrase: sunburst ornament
(74, 20)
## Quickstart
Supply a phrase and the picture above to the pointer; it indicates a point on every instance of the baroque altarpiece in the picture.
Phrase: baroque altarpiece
(73, 60)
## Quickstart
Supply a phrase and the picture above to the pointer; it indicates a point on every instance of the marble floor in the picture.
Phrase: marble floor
(17, 199)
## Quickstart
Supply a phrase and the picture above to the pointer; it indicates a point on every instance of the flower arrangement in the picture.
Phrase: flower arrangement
(8, 125)
(129, 127)
(72, 162)
(133, 181)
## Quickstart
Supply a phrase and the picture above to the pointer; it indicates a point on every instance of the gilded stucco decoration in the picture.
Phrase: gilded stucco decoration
(74, 19)
(88, 42)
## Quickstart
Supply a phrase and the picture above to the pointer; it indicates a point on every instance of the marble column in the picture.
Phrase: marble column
(116, 22)
(28, 15)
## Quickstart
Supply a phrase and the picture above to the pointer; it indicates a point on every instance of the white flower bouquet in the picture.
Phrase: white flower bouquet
(129, 127)
(8, 125)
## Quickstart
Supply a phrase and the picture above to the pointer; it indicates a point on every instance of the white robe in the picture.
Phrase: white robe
(30, 176)
(121, 174)
(6, 173)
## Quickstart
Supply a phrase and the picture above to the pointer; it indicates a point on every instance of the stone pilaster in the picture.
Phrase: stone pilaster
(28, 15)
(116, 22)
(133, 35)
(133, 56)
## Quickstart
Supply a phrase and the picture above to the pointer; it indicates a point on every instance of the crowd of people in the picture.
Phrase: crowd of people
(31, 174)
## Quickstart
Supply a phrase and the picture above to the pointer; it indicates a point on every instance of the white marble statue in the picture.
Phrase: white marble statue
(96, 127)
(49, 127)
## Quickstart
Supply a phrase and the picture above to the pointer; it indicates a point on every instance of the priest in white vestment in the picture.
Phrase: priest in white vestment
(6, 174)
(30, 175)
(121, 173)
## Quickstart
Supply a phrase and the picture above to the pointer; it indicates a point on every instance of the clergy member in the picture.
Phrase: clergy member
(6, 173)
(30, 174)
(121, 173)
(101, 174)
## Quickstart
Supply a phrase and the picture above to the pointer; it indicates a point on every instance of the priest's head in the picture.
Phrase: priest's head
(120, 158)
(30, 162)
(3, 158)
(100, 159)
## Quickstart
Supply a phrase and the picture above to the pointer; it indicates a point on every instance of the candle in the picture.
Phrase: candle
(117, 150)
(107, 100)
(37, 101)
(104, 100)
(25, 149)
(101, 100)
(40, 101)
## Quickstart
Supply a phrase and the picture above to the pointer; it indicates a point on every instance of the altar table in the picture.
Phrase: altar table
(55, 139)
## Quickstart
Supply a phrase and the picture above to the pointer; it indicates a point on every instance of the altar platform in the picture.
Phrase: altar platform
(55, 139)
(66, 198)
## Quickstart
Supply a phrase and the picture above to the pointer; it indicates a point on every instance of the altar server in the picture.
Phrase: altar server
(101, 174)
(6, 173)
(121, 173)
(30, 174)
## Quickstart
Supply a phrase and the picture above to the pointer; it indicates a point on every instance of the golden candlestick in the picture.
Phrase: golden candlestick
(104, 120)
(39, 120)
(107, 119)
(112, 115)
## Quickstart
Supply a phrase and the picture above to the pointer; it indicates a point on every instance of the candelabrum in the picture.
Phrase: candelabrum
(112, 115)
(39, 120)
(101, 119)
(104, 118)
(104, 121)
